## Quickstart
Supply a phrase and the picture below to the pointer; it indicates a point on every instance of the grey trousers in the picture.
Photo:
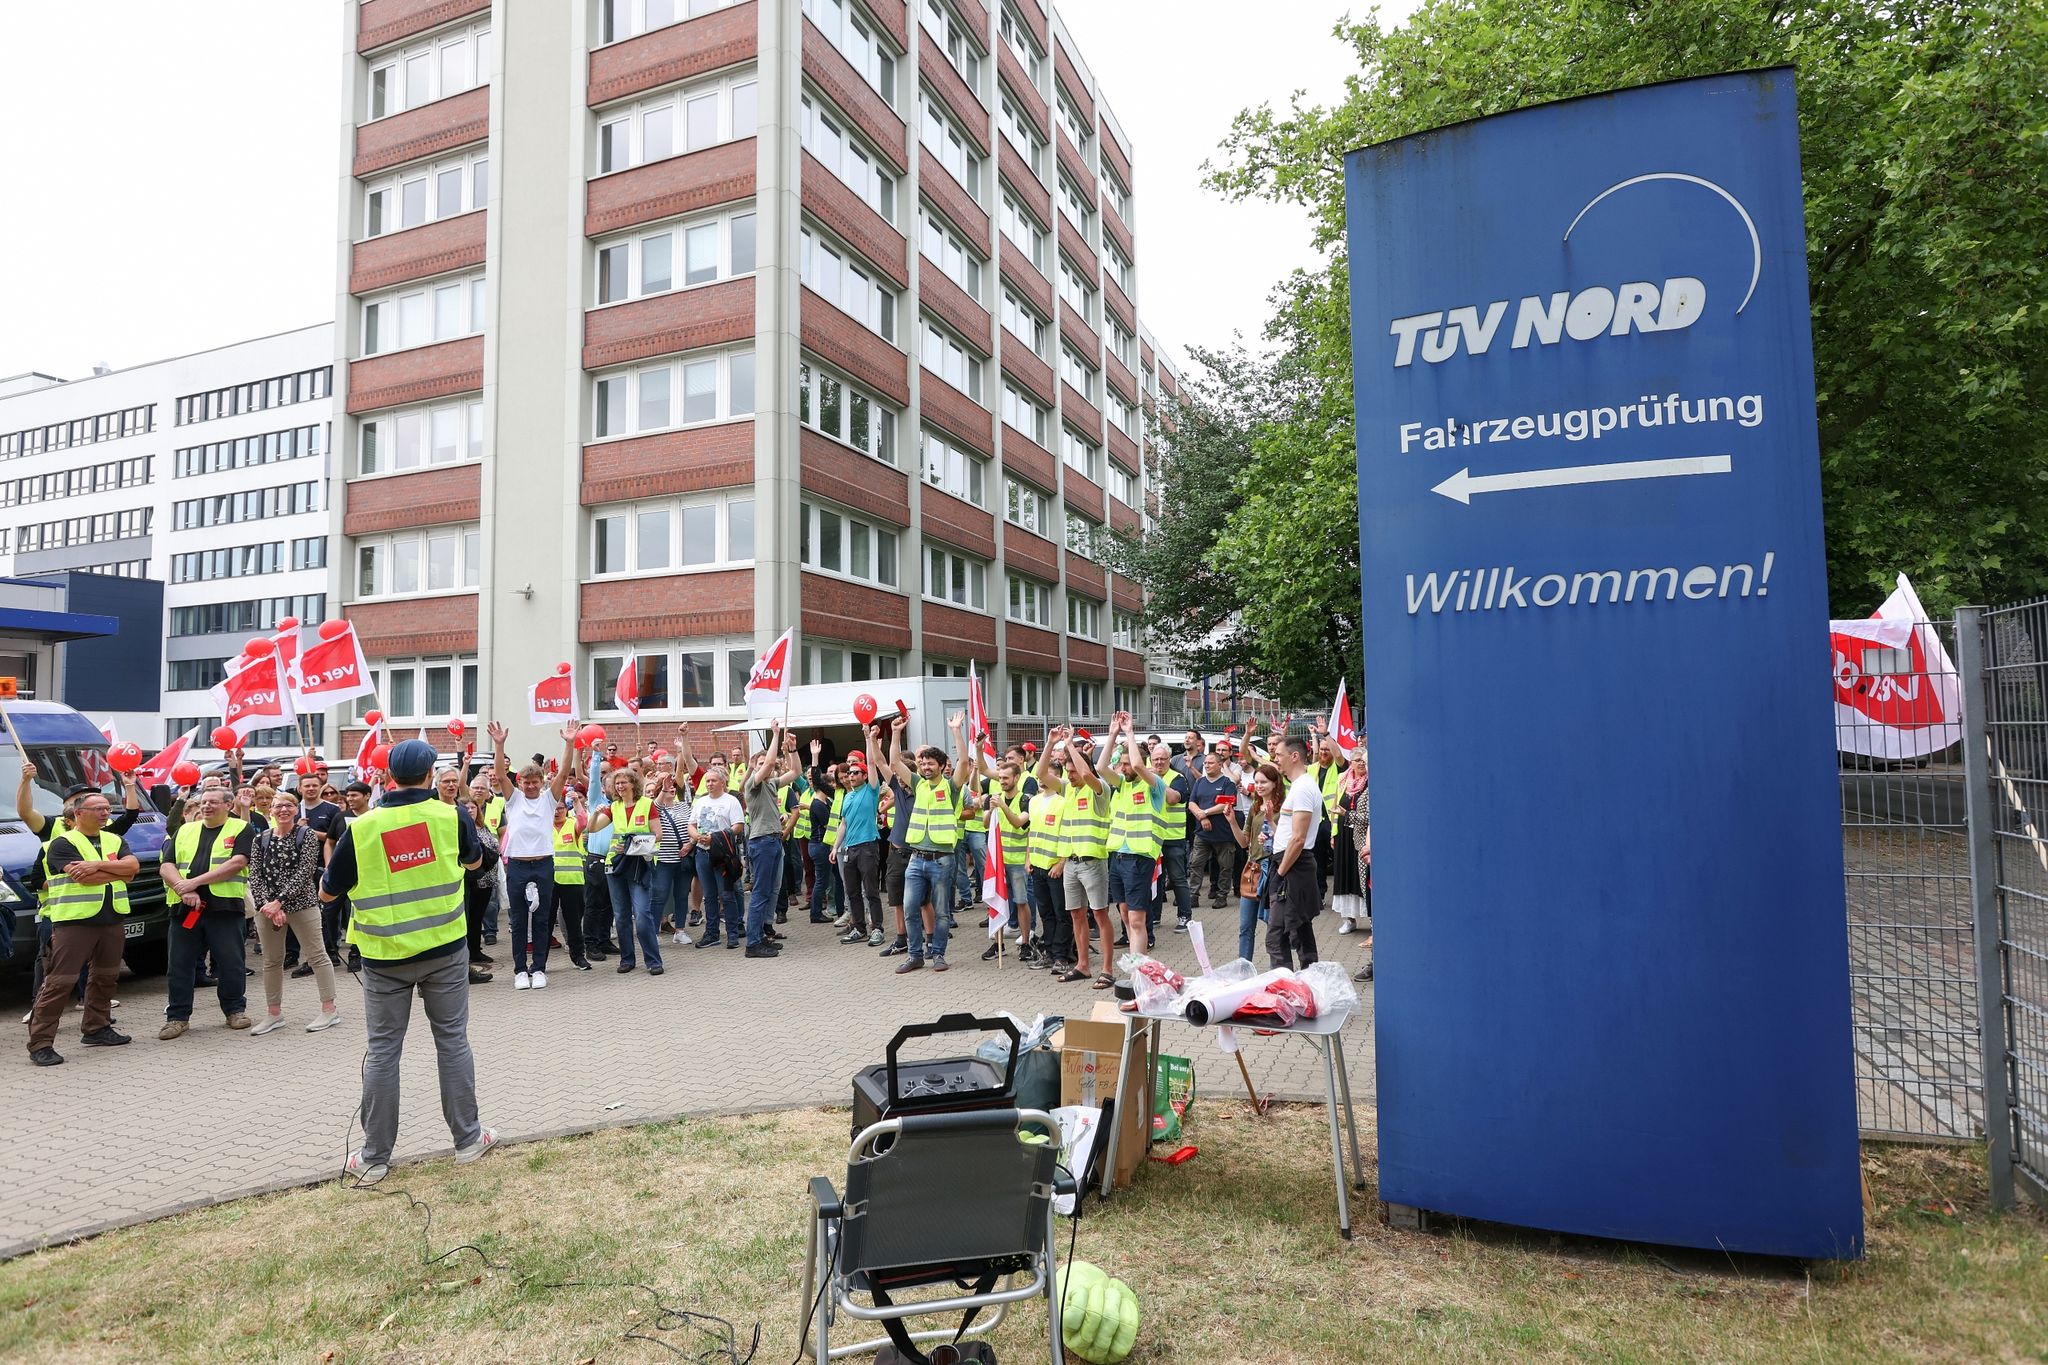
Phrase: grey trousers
(443, 987)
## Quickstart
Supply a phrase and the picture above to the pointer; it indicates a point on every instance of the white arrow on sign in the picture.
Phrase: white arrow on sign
(1462, 485)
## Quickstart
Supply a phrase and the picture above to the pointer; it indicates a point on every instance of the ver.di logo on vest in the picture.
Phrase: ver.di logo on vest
(1642, 306)
(407, 848)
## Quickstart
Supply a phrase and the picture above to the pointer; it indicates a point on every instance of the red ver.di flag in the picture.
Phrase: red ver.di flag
(769, 682)
(253, 698)
(995, 878)
(331, 671)
(552, 700)
(1342, 731)
(626, 691)
(1897, 695)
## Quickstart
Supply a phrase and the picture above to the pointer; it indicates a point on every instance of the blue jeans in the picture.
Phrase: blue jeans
(1250, 911)
(721, 901)
(764, 863)
(1130, 881)
(927, 880)
(1173, 872)
(633, 915)
(826, 893)
(531, 927)
(671, 888)
(967, 860)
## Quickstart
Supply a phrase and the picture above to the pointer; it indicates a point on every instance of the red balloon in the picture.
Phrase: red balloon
(259, 646)
(864, 709)
(330, 630)
(185, 774)
(591, 736)
(457, 728)
(563, 670)
(306, 765)
(288, 623)
(224, 737)
(380, 757)
(124, 758)
(373, 717)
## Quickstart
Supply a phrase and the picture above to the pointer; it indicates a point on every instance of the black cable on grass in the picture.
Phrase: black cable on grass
(667, 1317)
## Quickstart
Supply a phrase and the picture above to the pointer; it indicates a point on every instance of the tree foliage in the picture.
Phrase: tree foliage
(1924, 146)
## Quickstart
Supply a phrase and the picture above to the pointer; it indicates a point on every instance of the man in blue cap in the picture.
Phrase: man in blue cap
(401, 865)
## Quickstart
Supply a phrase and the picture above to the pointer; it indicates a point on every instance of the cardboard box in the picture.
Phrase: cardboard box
(1089, 1050)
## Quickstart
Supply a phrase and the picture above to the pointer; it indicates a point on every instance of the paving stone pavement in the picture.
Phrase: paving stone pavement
(123, 1135)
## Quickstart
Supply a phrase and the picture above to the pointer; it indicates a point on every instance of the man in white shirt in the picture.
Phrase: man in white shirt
(527, 850)
(1298, 891)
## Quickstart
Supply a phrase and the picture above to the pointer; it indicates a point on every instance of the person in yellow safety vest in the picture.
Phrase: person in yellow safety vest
(1135, 800)
(401, 865)
(630, 874)
(85, 898)
(1082, 866)
(932, 835)
(569, 880)
(1173, 845)
(1012, 808)
(1047, 892)
(207, 872)
(1329, 775)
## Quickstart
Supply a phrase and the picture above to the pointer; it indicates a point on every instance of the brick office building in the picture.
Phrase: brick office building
(667, 324)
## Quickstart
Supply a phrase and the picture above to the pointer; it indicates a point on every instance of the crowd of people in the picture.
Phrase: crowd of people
(615, 856)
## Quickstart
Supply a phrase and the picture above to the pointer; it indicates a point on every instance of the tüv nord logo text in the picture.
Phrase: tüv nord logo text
(1644, 306)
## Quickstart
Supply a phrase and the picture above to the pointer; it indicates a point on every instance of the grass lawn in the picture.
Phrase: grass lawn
(1234, 1257)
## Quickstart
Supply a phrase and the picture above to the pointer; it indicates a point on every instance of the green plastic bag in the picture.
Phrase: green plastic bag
(1173, 1091)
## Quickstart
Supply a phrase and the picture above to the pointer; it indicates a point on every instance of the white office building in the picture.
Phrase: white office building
(207, 472)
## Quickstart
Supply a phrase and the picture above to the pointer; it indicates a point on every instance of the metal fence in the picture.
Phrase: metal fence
(1912, 959)
(2014, 861)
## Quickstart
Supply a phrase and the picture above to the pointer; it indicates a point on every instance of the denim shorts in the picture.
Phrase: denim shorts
(1087, 884)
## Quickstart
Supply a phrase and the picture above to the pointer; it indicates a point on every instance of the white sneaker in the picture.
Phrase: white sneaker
(26, 1017)
(1346, 926)
(485, 1141)
(326, 1019)
(842, 922)
(271, 1024)
(362, 1172)
(522, 982)
(540, 981)
(679, 940)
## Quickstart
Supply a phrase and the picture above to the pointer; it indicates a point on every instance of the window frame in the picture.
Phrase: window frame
(384, 556)
(633, 402)
(675, 101)
(1017, 493)
(953, 563)
(396, 62)
(884, 420)
(1027, 601)
(810, 546)
(634, 242)
(970, 466)
(723, 505)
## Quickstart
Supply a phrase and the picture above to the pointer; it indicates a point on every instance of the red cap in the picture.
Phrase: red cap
(1029, 747)
(855, 760)
(1225, 746)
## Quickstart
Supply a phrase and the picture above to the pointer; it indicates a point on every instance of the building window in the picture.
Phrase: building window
(250, 614)
(855, 35)
(1080, 454)
(70, 483)
(1084, 699)
(1081, 534)
(688, 677)
(253, 504)
(445, 433)
(418, 690)
(1122, 415)
(272, 447)
(1030, 694)
(952, 38)
(1084, 617)
(1122, 344)
(1077, 372)
(440, 311)
(712, 387)
(89, 530)
(1023, 322)
(426, 194)
(126, 568)
(78, 431)
(677, 256)
(410, 563)
(828, 270)
(1124, 631)
(195, 675)
(1023, 46)
(1120, 268)
(1131, 699)
(1030, 601)
(1024, 231)
(1074, 202)
(1023, 134)
(1123, 485)
(830, 139)
(256, 396)
(951, 361)
(239, 561)
(276, 737)
(1068, 111)
(309, 552)
(954, 578)
(1119, 199)
(954, 258)
(830, 663)
(672, 536)
(432, 70)
(686, 120)
(954, 469)
(832, 542)
(832, 405)
(618, 20)
(942, 137)
(1077, 293)
(1022, 413)
(1025, 506)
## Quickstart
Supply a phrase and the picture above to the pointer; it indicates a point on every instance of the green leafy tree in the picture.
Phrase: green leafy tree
(1924, 145)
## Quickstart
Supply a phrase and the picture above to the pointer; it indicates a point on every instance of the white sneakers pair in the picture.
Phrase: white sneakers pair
(530, 981)
(363, 1172)
(326, 1019)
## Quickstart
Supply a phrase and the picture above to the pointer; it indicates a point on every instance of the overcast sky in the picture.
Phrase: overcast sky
(171, 183)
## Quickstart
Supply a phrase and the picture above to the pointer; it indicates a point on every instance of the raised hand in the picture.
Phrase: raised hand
(498, 733)
(569, 732)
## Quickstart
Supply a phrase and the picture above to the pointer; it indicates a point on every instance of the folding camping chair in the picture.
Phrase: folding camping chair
(934, 1199)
